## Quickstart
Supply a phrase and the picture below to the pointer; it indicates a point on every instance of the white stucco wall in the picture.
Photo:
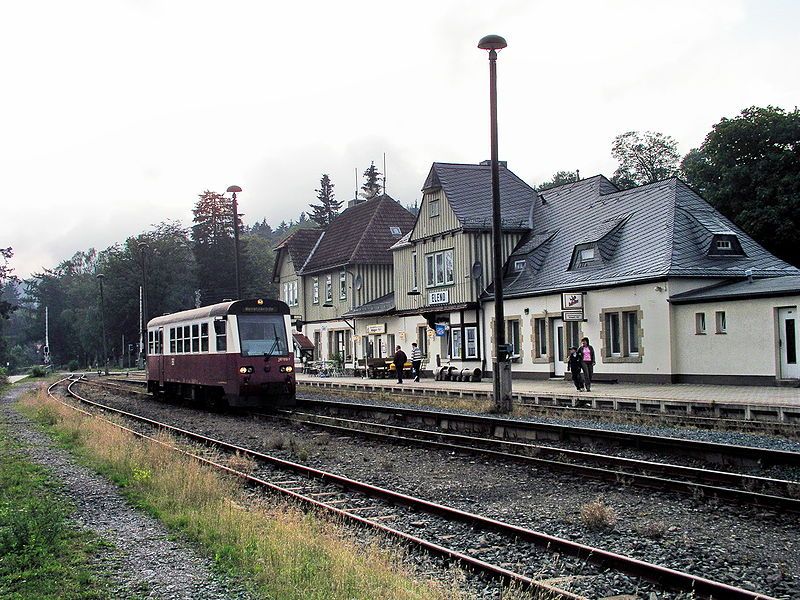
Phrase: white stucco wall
(749, 346)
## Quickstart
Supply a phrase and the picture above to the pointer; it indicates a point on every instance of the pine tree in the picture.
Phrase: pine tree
(212, 237)
(372, 186)
(327, 209)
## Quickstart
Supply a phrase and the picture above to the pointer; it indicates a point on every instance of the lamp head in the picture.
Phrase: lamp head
(234, 189)
(100, 276)
(492, 42)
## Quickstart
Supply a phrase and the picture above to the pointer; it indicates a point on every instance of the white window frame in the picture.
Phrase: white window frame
(632, 330)
(614, 334)
(724, 245)
(471, 342)
(343, 285)
(329, 288)
(721, 322)
(700, 323)
(439, 269)
(519, 265)
(315, 290)
(540, 333)
(587, 255)
(456, 342)
(513, 335)
(433, 208)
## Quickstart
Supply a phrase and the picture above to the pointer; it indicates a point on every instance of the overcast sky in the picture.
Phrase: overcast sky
(116, 114)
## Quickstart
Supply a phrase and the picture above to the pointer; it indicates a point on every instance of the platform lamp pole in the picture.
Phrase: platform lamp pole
(233, 189)
(100, 278)
(501, 367)
(143, 306)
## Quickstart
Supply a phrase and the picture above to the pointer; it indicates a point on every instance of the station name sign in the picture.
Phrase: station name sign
(439, 297)
(376, 329)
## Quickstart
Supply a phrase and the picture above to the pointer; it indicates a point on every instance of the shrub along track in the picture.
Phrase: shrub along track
(454, 531)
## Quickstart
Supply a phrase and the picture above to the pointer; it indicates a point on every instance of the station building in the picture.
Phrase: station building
(665, 287)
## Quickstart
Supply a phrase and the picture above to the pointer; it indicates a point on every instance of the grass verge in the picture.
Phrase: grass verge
(283, 552)
(41, 555)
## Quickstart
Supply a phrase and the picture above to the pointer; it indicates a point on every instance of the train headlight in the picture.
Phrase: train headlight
(287, 369)
(245, 370)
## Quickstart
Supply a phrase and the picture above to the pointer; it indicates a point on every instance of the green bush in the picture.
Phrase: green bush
(38, 371)
(73, 365)
(3, 375)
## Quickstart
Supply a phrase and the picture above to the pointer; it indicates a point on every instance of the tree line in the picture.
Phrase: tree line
(748, 167)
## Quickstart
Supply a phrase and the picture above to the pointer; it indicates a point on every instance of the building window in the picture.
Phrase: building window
(613, 341)
(512, 336)
(395, 231)
(519, 265)
(724, 245)
(471, 336)
(343, 285)
(315, 290)
(585, 256)
(630, 320)
(328, 288)
(455, 343)
(290, 293)
(439, 268)
(721, 322)
(700, 323)
(573, 334)
(622, 333)
(414, 283)
(422, 339)
(540, 335)
(433, 208)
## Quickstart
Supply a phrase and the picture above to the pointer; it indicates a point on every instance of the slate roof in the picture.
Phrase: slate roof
(300, 244)
(361, 234)
(653, 231)
(469, 192)
(774, 286)
(380, 306)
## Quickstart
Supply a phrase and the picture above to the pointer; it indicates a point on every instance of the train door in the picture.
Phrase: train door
(161, 357)
(787, 342)
(559, 352)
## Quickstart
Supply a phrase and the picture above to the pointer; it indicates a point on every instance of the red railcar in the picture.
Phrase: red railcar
(233, 353)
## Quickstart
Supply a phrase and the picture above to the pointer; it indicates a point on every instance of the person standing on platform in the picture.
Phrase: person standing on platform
(587, 363)
(400, 359)
(574, 362)
(416, 360)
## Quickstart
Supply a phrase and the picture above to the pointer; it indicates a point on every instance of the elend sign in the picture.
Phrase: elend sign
(439, 297)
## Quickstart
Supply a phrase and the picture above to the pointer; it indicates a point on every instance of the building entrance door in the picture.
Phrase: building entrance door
(559, 353)
(787, 342)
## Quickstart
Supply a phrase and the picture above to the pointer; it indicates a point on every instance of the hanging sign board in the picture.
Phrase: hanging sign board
(572, 315)
(572, 301)
(441, 329)
(376, 329)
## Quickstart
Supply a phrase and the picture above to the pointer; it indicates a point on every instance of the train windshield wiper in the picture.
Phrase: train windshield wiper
(268, 355)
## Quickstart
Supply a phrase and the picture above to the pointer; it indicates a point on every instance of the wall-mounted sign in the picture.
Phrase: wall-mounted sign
(570, 301)
(572, 315)
(376, 329)
(441, 329)
(439, 297)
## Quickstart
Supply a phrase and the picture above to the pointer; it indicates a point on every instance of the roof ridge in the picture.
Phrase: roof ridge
(313, 250)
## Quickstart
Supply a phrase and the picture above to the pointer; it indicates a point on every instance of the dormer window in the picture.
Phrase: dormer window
(725, 244)
(433, 208)
(519, 265)
(585, 255)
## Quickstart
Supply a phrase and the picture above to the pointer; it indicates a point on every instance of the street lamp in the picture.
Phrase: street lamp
(233, 189)
(502, 368)
(100, 278)
(142, 304)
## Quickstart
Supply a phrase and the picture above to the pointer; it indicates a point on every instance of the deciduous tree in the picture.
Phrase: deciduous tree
(644, 158)
(559, 178)
(748, 168)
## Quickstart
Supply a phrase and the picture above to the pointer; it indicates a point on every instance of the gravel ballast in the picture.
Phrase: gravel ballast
(753, 548)
(141, 557)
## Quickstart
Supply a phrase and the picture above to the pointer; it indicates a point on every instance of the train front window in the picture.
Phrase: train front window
(262, 335)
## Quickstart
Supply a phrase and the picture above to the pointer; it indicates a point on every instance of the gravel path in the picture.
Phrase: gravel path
(756, 549)
(143, 559)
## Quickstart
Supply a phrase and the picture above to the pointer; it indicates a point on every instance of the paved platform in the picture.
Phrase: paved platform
(728, 401)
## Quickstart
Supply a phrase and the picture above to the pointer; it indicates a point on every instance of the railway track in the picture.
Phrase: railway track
(490, 437)
(504, 545)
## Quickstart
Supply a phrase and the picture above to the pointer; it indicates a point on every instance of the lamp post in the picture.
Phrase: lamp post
(501, 367)
(233, 189)
(142, 305)
(100, 278)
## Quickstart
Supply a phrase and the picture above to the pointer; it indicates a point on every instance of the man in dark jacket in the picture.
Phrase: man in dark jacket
(400, 359)
(574, 362)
